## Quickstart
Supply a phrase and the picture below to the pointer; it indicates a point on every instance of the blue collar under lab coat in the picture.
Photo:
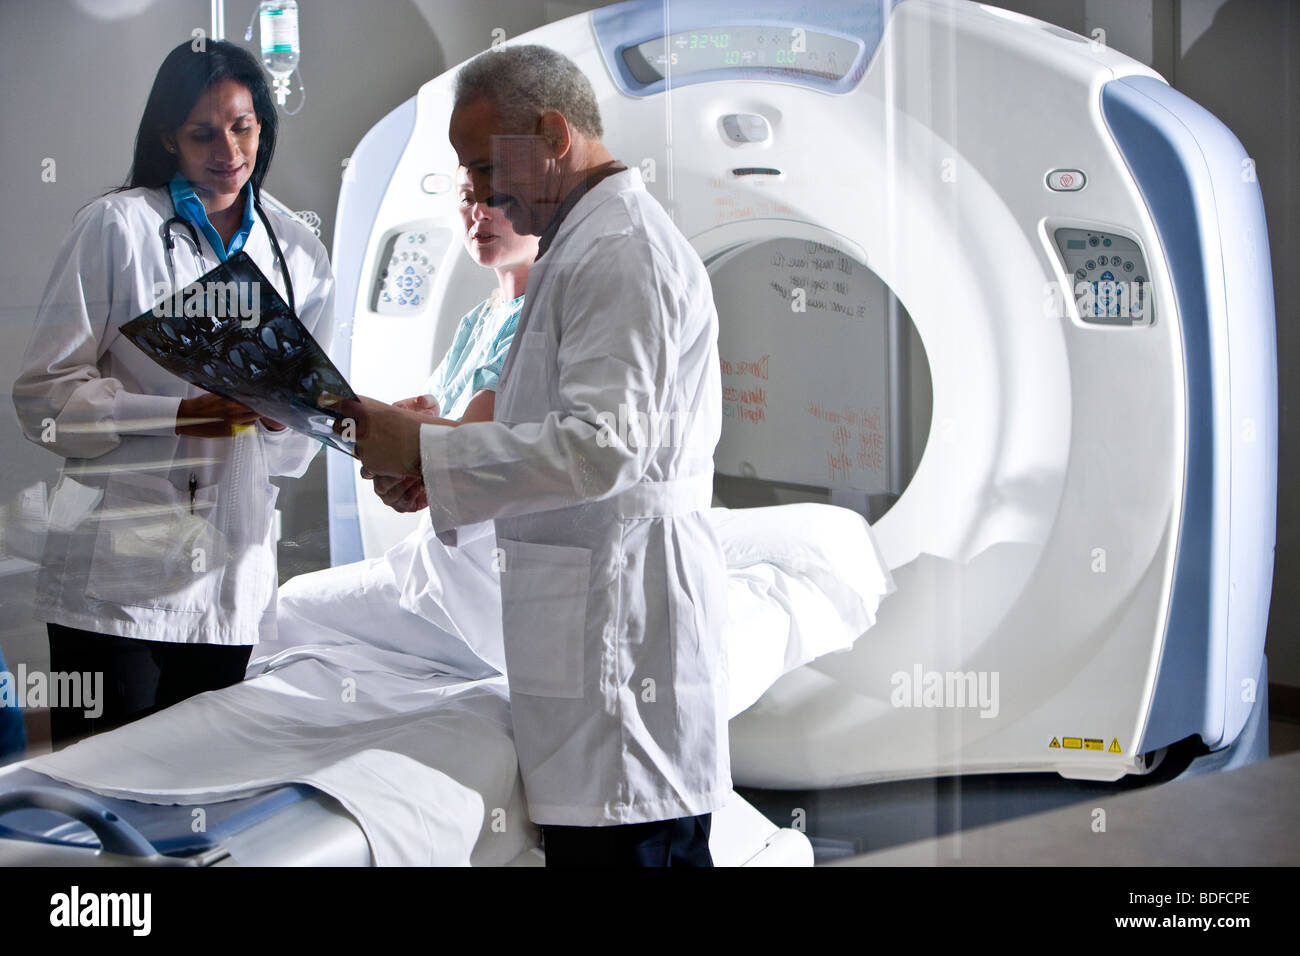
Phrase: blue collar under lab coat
(190, 208)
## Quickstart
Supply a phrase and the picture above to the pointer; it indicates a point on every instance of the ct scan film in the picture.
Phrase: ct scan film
(231, 333)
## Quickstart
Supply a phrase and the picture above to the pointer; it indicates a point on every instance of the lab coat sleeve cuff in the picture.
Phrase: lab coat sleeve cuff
(289, 452)
(136, 414)
(438, 479)
(273, 434)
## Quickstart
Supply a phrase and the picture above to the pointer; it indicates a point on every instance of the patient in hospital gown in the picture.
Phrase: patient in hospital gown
(424, 598)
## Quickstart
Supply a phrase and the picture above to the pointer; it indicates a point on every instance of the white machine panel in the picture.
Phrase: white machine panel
(405, 278)
(1109, 277)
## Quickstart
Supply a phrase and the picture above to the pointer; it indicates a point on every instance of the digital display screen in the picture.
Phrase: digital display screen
(777, 49)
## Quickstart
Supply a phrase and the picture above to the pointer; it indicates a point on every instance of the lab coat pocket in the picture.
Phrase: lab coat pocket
(152, 548)
(249, 574)
(544, 614)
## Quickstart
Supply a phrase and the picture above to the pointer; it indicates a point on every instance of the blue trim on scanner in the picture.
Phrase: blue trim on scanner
(628, 24)
(370, 170)
(13, 733)
(167, 828)
(1189, 170)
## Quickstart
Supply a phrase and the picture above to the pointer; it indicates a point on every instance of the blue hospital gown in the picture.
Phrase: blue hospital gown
(474, 361)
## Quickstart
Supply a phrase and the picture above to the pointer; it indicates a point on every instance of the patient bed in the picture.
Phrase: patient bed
(293, 825)
(359, 755)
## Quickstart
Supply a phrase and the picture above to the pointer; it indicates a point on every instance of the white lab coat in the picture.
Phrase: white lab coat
(127, 553)
(613, 584)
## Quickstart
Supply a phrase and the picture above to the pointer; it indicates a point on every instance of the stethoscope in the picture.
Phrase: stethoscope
(169, 241)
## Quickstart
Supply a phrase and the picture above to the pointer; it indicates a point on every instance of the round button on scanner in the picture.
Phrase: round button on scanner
(435, 183)
(1066, 180)
(740, 128)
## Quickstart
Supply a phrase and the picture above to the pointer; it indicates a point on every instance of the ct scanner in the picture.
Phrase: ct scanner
(996, 287)
(988, 277)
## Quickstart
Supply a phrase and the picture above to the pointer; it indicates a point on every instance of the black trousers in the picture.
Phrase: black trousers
(140, 677)
(680, 842)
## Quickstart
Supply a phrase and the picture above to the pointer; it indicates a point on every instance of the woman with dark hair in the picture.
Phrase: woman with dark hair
(159, 569)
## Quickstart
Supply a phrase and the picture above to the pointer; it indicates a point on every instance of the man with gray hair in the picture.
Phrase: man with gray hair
(613, 584)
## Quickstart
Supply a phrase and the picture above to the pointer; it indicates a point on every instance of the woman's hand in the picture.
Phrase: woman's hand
(404, 494)
(212, 416)
(424, 404)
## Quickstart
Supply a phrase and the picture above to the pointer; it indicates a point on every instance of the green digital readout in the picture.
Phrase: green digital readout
(709, 41)
(785, 49)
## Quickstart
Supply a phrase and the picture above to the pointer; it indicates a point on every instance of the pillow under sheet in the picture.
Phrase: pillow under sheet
(831, 546)
(803, 580)
(777, 622)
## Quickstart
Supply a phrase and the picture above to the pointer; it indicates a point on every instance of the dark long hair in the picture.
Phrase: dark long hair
(181, 80)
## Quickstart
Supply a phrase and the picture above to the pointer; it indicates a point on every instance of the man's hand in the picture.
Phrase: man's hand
(387, 437)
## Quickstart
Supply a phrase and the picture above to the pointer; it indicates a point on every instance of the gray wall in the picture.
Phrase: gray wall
(73, 83)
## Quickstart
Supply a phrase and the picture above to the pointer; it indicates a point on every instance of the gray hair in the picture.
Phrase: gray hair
(526, 81)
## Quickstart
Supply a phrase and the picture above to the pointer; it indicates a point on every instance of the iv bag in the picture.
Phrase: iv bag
(278, 22)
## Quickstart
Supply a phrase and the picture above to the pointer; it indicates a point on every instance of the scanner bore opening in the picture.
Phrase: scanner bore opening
(827, 392)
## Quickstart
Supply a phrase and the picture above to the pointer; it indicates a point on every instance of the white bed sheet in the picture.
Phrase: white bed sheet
(424, 762)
